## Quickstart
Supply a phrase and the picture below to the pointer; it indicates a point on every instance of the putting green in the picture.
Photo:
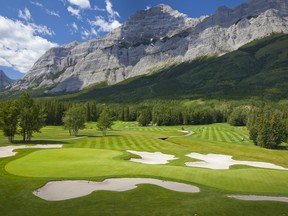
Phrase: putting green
(84, 163)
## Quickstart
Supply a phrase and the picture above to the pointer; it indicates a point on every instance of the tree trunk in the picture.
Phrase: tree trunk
(10, 139)
(104, 131)
(24, 137)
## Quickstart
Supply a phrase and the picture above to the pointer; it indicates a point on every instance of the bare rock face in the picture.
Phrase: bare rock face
(4, 81)
(153, 24)
(151, 39)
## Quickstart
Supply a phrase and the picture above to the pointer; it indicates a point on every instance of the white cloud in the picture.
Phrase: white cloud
(74, 12)
(49, 12)
(21, 45)
(109, 8)
(41, 29)
(96, 8)
(80, 3)
(74, 26)
(4, 62)
(52, 13)
(88, 34)
(25, 14)
(85, 34)
(103, 25)
(106, 25)
(36, 3)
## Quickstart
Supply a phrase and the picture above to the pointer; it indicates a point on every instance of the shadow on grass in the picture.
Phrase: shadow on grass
(281, 148)
(43, 142)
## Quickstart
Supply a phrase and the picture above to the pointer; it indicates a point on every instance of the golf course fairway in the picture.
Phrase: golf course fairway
(96, 158)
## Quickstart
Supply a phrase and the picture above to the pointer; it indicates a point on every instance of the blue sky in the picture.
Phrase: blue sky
(28, 28)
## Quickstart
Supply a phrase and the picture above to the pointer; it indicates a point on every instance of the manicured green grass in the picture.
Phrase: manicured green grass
(73, 162)
(95, 158)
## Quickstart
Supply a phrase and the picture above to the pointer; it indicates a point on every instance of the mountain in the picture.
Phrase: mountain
(4, 81)
(256, 70)
(151, 39)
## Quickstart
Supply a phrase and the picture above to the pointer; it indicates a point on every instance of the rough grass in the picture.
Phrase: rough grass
(96, 157)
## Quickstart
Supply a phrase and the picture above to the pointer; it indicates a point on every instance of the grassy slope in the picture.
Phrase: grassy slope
(258, 69)
(47, 165)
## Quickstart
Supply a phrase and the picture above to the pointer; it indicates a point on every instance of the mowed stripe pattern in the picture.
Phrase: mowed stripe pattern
(115, 142)
(222, 134)
(130, 136)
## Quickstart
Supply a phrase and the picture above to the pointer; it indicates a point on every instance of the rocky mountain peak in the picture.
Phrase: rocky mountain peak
(226, 16)
(71, 45)
(3, 75)
(156, 22)
(262, 5)
(150, 39)
(162, 7)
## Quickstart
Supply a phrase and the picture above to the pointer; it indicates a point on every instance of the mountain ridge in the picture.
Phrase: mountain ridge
(256, 70)
(5, 81)
(124, 53)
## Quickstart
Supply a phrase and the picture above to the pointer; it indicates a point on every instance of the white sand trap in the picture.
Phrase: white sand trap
(76, 138)
(63, 190)
(7, 151)
(259, 198)
(188, 133)
(218, 161)
(152, 157)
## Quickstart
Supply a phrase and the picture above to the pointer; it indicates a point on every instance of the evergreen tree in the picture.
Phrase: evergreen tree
(74, 119)
(239, 116)
(267, 128)
(144, 118)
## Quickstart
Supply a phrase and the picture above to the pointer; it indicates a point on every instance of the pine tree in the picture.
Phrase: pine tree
(144, 118)
(267, 128)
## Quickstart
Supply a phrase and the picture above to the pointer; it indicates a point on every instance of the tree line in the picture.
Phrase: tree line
(22, 116)
(159, 113)
(26, 116)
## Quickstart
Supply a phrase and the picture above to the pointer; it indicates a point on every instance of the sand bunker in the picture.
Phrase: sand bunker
(7, 151)
(188, 133)
(63, 190)
(259, 198)
(223, 162)
(151, 158)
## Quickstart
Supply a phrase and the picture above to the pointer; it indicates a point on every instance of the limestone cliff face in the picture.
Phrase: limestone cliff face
(4, 81)
(153, 38)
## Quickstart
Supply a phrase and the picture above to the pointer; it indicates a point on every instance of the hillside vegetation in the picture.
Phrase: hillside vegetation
(258, 69)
